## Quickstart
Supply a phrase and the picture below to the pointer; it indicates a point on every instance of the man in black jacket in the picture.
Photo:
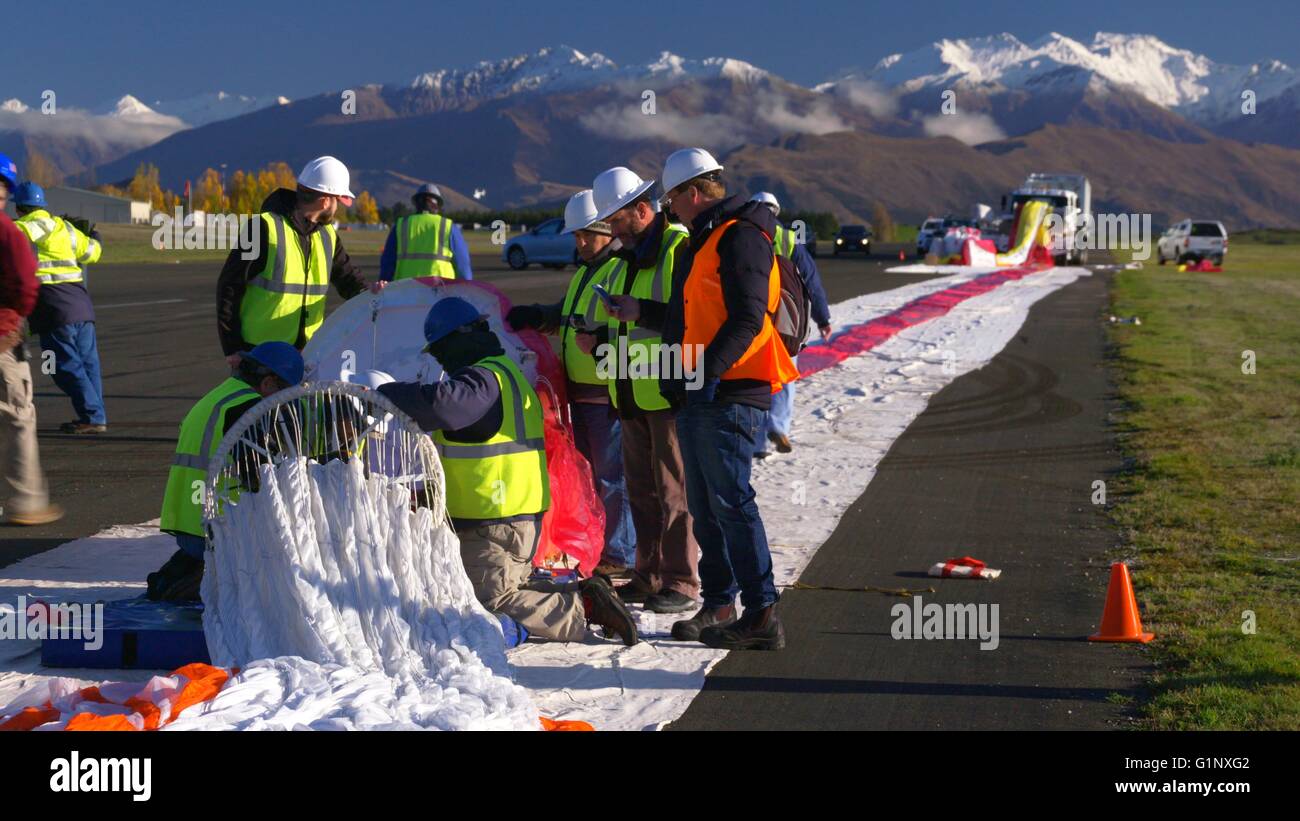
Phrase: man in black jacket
(304, 213)
(722, 420)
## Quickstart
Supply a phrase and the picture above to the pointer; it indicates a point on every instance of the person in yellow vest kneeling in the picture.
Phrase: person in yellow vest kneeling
(487, 423)
(266, 369)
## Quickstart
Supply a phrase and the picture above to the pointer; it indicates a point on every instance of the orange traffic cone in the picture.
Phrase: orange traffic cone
(1120, 620)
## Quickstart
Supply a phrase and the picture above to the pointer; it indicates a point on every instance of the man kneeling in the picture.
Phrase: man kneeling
(487, 423)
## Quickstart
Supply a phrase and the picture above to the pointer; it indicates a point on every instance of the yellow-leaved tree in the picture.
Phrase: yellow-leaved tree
(365, 210)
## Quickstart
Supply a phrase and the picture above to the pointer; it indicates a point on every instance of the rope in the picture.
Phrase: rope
(888, 591)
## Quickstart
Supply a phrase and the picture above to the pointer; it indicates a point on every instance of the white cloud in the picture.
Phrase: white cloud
(865, 94)
(774, 109)
(971, 129)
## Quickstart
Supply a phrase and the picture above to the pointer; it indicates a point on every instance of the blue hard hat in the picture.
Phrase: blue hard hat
(280, 358)
(447, 315)
(8, 171)
(29, 194)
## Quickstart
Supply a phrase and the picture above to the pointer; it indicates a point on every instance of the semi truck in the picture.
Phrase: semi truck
(1071, 198)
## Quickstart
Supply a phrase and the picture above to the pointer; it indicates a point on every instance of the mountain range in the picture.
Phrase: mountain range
(959, 120)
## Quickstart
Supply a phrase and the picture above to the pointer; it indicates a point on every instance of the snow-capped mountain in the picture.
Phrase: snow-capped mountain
(563, 68)
(1175, 79)
(211, 107)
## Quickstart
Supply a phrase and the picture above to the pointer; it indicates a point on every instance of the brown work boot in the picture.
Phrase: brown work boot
(604, 609)
(51, 513)
(82, 428)
(689, 630)
(612, 571)
(635, 591)
(781, 441)
(756, 630)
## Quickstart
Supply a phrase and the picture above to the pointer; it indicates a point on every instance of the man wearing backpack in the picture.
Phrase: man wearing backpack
(720, 315)
(786, 244)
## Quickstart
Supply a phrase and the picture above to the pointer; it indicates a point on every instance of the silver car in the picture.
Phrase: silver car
(544, 244)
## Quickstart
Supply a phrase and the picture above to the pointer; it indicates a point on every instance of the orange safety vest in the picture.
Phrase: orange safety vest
(766, 358)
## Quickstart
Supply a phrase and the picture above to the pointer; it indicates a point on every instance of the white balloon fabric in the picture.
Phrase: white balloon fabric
(385, 331)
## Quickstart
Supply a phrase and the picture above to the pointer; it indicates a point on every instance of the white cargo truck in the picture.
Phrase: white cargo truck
(1071, 199)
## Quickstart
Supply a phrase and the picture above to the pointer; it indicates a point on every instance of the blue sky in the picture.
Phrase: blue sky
(154, 50)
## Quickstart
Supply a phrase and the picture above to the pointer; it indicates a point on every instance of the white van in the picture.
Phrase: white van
(1192, 240)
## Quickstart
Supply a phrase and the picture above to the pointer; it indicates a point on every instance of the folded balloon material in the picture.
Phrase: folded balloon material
(964, 567)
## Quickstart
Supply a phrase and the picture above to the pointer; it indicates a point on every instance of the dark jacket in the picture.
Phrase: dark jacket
(803, 263)
(237, 271)
(466, 406)
(18, 283)
(745, 253)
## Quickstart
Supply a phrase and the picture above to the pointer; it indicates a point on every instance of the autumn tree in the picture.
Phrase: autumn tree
(365, 210)
(41, 171)
(144, 186)
(882, 223)
(209, 193)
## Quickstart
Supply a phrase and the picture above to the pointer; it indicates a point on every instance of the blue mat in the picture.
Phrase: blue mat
(137, 634)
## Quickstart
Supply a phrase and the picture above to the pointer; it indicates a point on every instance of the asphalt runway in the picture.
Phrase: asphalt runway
(159, 354)
(999, 466)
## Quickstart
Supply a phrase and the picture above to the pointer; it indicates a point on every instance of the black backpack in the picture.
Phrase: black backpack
(793, 315)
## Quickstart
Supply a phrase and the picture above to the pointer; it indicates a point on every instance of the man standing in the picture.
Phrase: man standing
(279, 295)
(266, 369)
(425, 244)
(667, 556)
(596, 428)
(64, 316)
(786, 244)
(20, 466)
(721, 315)
(487, 423)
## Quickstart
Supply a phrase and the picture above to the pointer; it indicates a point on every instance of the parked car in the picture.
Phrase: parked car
(931, 228)
(544, 244)
(853, 239)
(1193, 240)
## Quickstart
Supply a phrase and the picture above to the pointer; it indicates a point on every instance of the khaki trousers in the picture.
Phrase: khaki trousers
(667, 555)
(19, 459)
(499, 560)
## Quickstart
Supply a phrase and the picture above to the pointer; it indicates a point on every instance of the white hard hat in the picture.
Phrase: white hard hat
(685, 165)
(769, 199)
(615, 188)
(371, 379)
(328, 176)
(580, 214)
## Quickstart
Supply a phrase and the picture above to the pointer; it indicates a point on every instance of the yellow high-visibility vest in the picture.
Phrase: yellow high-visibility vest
(289, 285)
(59, 247)
(423, 247)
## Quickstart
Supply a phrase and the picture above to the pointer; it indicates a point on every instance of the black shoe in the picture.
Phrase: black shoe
(604, 609)
(670, 601)
(635, 591)
(760, 455)
(689, 630)
(756, 630)
(177, 580)
(781, 441)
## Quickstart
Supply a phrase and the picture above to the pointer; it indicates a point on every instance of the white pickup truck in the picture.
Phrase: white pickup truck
(1193, 240)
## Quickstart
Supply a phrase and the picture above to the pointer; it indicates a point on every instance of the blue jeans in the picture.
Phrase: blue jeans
(191, 544)
(599, 437)
(718, 440)
(778, 419)
(76, 369)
